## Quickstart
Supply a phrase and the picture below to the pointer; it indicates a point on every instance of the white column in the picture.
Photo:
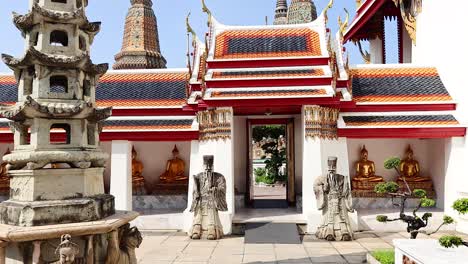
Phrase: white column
(311, 169)
(121, 174)
(376, 51)
(456, 183)
(223, 152)
(407, 46)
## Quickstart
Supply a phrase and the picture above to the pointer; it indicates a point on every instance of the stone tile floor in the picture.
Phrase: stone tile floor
(172, 247)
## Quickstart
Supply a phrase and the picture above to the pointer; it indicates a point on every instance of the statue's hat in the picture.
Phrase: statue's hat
(175, 150)
(208, 159)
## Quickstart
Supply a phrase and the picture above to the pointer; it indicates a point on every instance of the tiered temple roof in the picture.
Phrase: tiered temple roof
(275, 69)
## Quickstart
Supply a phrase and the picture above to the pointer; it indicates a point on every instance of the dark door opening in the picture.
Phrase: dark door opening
(270, 178)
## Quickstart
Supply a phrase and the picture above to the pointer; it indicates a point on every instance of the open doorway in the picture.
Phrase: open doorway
(270, 178)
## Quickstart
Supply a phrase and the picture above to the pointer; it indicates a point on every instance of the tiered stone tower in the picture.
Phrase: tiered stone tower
(302, 11)
(281, 12)
(140, 47)
(56, 167)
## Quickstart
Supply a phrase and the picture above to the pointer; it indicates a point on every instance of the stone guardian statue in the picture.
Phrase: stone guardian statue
(333, 194)
(209, 197)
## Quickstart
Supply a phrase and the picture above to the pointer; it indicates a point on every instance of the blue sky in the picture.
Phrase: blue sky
(171, 21)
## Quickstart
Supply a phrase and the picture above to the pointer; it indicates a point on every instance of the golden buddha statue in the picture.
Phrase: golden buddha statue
(409, 168)
(175, 169)
(365, 178)
(4, 178)
(138, 181)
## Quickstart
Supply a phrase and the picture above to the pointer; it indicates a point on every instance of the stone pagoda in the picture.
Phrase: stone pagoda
(56, 167)
(281, 12)
(302, 11)
(140, 46)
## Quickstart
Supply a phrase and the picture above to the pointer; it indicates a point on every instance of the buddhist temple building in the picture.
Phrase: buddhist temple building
(295, 74)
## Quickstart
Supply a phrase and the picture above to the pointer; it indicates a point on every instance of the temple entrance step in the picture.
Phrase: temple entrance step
(270, 203)
(272, 233)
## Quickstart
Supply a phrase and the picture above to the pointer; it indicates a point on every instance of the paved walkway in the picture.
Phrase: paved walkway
(165, 248)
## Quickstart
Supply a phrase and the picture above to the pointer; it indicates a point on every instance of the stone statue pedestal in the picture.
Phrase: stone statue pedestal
(171, 188)
(426, 186)
(51, 196)
(17, 242)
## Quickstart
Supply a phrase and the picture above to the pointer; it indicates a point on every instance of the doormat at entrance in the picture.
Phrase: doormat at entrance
(271, 233)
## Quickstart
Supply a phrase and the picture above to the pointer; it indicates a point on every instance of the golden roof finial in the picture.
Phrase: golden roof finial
(189, 28)
(207, 11)
(343, 25)
(358, 4)
(365, 55)
(325, 11)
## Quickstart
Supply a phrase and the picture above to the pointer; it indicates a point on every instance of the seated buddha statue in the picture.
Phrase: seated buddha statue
(138, 181)
(365, 178)
(4, 178)
(175, 169)
(409, 168)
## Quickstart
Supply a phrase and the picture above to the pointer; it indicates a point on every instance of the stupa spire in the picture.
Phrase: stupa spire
(302, 11)
(281, 12)
(140, 47)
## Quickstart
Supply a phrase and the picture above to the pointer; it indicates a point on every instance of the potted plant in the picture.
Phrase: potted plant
(461, 206)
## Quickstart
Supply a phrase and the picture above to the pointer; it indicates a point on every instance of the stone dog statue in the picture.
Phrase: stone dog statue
(122, 244)
(333, 195)
(209, 197)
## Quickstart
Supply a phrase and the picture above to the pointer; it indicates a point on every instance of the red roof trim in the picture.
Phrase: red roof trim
(290, 62)
(262, 102)
(401, 108)
(363, 17)
(269, 82)
(150, 136)
(402, 132)
(153, 112)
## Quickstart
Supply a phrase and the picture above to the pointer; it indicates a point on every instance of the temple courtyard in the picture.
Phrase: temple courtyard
(176, 247)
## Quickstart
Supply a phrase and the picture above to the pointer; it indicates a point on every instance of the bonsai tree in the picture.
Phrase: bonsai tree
(461, 206)
(414, 222)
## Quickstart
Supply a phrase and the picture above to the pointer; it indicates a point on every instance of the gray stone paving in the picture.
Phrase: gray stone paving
(165, 248)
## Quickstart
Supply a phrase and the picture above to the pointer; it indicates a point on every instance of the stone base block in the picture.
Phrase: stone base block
(40, 213)
(93, 240)
(170, 188)
(154, 202)
(55, 184)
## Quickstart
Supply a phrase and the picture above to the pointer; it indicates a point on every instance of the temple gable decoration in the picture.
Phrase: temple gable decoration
(410, 9)
(321, 122)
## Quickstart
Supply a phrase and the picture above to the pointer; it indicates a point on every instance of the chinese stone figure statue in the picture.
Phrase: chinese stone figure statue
(138, 181)
(209, 197)
(410, 170)
(121, 245)
(4, 178)
(365, 178)
(175, 169)
(67, 252)
(334, 200)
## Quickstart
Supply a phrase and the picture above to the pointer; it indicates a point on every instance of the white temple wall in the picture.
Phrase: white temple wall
(441, 42)
(430, 153)
(106, 147)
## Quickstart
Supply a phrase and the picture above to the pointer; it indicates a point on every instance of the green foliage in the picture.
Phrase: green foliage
(382, 218)
(461, 205)
(420, 193)
(450, 241)
(426, 202)
(392, 163)
(448, 220)
(426, 216)
(268, 131)
(261, 176)
(384, 256)
(386, 187)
